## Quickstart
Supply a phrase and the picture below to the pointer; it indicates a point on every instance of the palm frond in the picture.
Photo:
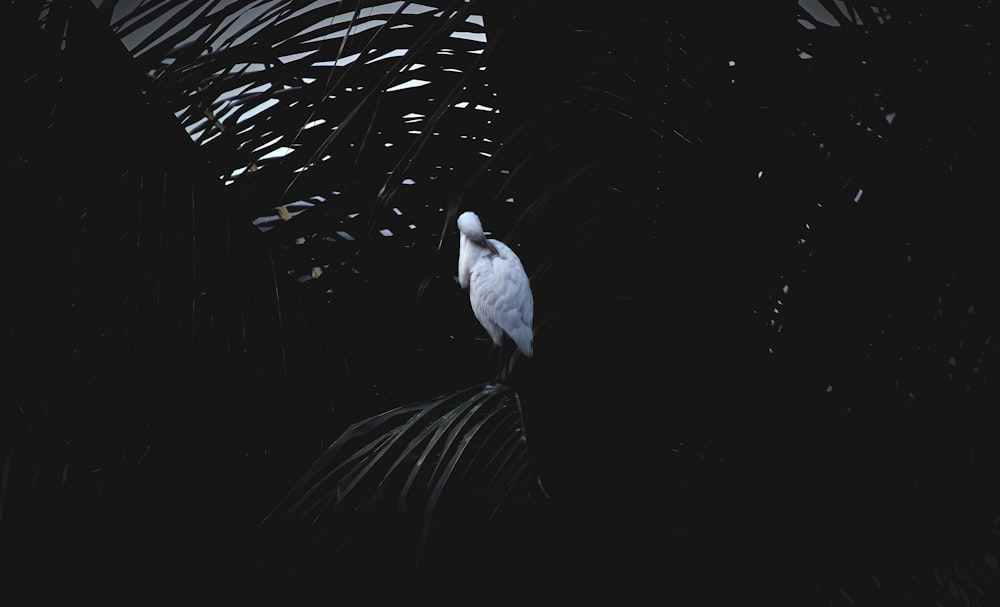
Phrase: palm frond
(334, 123)
(455, 467)
(295, 68)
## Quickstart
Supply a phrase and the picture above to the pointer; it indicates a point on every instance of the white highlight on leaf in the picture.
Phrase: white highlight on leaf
(277, 153)
(261, 147)
(412, 83)
(396, 52)
(256, 110)
(473, 36)
(346, 59)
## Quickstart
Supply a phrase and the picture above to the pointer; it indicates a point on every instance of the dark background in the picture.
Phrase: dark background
(765, 313)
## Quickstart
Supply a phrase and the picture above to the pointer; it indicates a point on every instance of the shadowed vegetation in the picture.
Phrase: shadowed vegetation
(758, 237)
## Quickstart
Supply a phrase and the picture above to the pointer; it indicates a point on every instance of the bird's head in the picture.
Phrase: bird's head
(472, 228)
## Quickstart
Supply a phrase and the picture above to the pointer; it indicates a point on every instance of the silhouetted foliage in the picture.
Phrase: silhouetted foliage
(758, 239)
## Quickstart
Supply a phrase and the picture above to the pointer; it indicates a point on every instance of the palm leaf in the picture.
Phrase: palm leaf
(300, 110)
(250, 54)
(429, 462)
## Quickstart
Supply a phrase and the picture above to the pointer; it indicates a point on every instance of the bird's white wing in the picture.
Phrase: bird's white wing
(502, 296)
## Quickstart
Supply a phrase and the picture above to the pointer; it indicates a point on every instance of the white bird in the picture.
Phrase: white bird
(498, 288)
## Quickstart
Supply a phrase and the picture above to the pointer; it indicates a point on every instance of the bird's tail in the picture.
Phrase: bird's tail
(523, 337)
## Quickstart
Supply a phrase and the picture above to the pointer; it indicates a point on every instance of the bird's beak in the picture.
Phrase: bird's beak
(489, 245)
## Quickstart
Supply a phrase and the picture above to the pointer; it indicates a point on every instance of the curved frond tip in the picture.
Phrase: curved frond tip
(417, 480)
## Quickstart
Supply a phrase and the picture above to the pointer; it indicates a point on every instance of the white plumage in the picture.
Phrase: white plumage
(498, 286)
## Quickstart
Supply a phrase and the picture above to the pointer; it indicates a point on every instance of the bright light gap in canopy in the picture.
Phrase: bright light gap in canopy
(244, 25)
(243, 109)
(234, 101)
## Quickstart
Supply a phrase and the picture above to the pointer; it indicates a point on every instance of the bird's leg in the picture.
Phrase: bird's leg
(502, 361)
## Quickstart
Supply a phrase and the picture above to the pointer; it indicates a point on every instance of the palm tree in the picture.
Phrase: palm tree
(241, 308)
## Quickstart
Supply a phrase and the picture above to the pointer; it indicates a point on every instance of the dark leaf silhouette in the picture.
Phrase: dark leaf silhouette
(459, 461)
(759, 238)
